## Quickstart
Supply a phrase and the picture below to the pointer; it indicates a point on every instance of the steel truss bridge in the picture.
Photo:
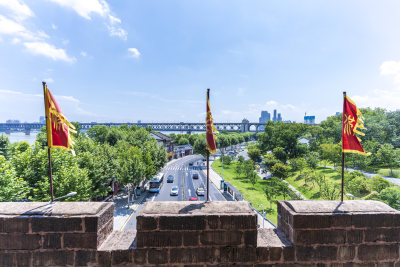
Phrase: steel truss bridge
(188, 127)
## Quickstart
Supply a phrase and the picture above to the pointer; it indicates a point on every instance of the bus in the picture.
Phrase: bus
(156, 183)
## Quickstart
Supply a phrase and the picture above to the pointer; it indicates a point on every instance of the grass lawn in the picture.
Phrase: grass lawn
(386, 172)
(256, 195)
(312, 192)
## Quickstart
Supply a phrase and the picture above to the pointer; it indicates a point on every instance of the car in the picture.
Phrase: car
(195, 176)
(200, 191)
(174, 191)
(170, 179)
(190, 163)
(193, 199)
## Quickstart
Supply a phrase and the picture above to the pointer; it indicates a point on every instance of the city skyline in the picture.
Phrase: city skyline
(127, 61)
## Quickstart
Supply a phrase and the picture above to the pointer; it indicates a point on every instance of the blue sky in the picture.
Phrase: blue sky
(128, 60)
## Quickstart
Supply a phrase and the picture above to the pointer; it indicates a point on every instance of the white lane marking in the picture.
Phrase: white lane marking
(189, 192)
(153, 198)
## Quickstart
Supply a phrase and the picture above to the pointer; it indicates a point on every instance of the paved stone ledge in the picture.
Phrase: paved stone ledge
(55, 209)
(199, 208)
(119, 240)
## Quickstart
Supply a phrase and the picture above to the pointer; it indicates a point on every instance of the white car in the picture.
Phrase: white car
(200, 191)
(174, 191)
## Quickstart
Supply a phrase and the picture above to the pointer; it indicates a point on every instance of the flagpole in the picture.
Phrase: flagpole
(48, 126)
(344, 97)
(208, 157)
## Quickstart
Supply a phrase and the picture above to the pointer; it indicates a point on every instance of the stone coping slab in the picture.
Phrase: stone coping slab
(272, 238)
(196, 208)
(333, 206)
(55, 209)
(120, 240)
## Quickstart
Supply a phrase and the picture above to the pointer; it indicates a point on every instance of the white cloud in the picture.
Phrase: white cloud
(15, 41)
(48, 50)
(85, 8)
(83, 54)
(53, 26)
(19, 10)
(13, 28)
(133, 52)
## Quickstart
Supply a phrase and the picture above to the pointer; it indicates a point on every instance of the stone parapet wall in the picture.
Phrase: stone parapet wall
(310, 233)
(60, 234)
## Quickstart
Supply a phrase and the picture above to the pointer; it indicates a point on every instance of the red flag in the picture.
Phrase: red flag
(352, 121)
(58, 127)
(211, 147)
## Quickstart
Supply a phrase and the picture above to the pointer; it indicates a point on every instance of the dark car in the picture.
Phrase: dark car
(195, 176)
(170, 179)
(191, 164)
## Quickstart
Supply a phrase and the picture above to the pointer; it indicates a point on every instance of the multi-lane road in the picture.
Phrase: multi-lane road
(183, 178)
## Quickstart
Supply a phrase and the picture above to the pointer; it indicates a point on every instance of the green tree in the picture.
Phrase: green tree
(239, 168)
(391, 196)
(312, 160)
(280, 154)
(199, 146)
(248, 168)
(19, 147)
(98, 133)
(226, 159)
(359, 186)
(252, 178)
(183, 141)
(4, 145)
(298, 164)
(387, 156)
(331, 152)
(280, 170)
(269, 161)
(11, 187)
(378, 183)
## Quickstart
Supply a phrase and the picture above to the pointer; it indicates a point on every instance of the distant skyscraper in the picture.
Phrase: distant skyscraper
(337, 113)
(279, 117)
(265, 116)
(42, 119)
(310, 120)
(275, 119)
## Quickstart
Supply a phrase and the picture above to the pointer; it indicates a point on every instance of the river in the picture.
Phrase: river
(20, 136)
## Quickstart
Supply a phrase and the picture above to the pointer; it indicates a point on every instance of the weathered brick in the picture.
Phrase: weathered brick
(159, 239)
(191, 238)
(54, 224)
(262, 254)
(6, 259)
(310, 237)
(91, 224)
(104, 258)
(146, 223)
(302, 221)
(378, 252)
(288, 253)
(212, 221)
(140, 256)
(346, 253)
(237, 255)
(104, 232)
(80, 240)
(22, 259)
(375, 220)
(182, 223)
(52, 241)
(250, 238)
(238, 222)
(221, 238)
(352, 264)
(85, 257)
(105, 216)
(384, 235)
(192, 255)
(20, 241)
(157, 256)
(121, 257)
(316, 253)
(275, 253)
(51, 258)
(14, 224)
(355, 236)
